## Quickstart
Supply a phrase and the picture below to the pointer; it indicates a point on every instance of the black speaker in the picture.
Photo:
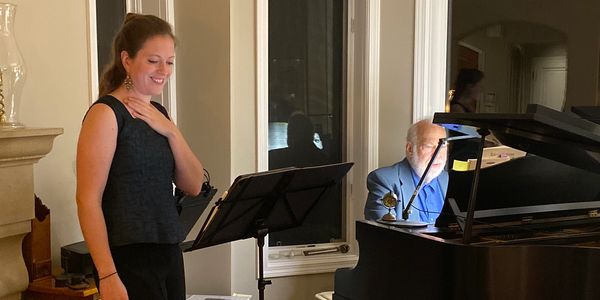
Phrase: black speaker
(76, 258)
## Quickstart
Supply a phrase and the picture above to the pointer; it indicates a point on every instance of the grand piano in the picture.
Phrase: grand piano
(525, 229)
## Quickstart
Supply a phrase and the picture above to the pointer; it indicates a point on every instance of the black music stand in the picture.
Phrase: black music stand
(190, 208)
(259, 203)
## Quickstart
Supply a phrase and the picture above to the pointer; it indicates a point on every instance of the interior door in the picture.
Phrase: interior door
(549, 75)
(467, 58)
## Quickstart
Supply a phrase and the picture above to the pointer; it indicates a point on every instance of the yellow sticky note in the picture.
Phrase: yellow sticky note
(459, 165)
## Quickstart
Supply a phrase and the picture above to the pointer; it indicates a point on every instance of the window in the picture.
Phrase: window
(109, 17)
(307, 103)
(358, 125)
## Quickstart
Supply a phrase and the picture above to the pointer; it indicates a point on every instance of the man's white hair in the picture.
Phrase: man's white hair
(415, 160)
(415, 129)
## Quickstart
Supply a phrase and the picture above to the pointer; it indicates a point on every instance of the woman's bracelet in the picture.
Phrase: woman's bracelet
(111, 274)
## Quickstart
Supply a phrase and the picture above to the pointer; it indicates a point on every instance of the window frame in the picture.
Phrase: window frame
(361, 130)
(431, 78)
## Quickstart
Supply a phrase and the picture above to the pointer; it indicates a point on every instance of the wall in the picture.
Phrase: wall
(56, 94)
(243, 135)
(578, 20)
(204, 116)
(395, 78)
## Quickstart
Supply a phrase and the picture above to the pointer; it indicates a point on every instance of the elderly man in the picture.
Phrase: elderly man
(402, 177)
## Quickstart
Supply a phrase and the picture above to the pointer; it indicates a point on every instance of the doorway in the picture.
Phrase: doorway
(549, 76)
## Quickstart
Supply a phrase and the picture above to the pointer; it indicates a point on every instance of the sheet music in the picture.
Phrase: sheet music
(492, 156)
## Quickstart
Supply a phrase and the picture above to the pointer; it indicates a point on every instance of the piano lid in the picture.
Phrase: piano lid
(591, 113)
(542, 131)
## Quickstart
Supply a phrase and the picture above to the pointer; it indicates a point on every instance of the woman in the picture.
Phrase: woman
(128, 156)
(466, 91)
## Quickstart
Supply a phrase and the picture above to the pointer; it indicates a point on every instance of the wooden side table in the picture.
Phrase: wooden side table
(44, 289)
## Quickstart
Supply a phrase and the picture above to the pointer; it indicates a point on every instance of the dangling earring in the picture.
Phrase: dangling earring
(128, 83)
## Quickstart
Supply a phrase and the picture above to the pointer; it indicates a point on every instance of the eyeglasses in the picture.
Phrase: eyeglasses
(429, 148)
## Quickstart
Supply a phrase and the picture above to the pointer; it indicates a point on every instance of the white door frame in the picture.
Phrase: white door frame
(92, 51)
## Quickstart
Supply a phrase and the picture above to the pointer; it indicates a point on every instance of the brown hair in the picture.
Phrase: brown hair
(465, 79)
(136, 30)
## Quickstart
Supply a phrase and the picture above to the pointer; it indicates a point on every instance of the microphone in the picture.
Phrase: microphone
(390, 201)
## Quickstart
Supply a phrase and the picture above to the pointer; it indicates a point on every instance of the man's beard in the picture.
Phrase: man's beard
(419, 169)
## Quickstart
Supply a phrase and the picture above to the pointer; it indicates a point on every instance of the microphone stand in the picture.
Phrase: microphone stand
(441, 142)
(405, 211)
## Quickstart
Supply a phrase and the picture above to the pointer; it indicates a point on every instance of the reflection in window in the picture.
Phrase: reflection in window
(317, 140)
(523, 63)
(109, 17)
(277, 135)
(306, 58)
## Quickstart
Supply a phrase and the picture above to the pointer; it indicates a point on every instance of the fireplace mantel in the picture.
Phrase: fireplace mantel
(19, 150)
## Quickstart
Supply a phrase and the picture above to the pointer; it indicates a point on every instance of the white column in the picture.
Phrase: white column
(431, 44)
